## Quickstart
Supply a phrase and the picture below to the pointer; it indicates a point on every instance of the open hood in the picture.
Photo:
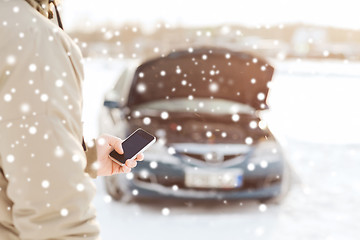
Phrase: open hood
(203, 73)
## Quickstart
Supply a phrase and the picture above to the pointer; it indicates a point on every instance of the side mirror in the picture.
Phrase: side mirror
(111, 104)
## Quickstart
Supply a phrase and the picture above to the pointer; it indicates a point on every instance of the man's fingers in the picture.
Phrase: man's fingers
(131, 163)
(125, 169)
(116, 143)
(120, 169)
(116, 168)
(139, 157)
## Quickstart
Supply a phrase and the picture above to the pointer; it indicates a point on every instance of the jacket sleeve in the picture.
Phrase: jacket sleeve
(46, 182)
(40, 138)
(91, 158)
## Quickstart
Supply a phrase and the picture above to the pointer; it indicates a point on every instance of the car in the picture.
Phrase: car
(204, 106)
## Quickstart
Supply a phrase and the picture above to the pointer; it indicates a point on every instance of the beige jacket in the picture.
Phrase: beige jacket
(44, 191)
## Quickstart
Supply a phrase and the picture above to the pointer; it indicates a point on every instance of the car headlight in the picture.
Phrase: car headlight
(159, 152)
(266, 152)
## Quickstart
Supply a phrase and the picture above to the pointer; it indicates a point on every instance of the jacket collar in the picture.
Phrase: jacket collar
(41, 6)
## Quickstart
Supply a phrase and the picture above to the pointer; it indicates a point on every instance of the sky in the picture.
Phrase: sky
(84, 13)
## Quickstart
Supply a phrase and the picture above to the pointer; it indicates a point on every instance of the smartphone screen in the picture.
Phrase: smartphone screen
(136, 143)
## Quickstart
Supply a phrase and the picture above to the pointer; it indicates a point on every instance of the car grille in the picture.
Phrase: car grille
(202, 157)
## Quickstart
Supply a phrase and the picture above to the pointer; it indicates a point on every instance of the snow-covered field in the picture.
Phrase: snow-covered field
(314, 113)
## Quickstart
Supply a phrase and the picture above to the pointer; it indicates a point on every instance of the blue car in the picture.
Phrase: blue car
(203, 106)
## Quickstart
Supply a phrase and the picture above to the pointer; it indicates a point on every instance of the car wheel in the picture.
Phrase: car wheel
(285, 186)
(114, 189)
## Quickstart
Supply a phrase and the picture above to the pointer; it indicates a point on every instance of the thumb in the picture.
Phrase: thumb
(118, 147)
(116, 143)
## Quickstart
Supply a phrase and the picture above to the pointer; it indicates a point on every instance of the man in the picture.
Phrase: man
(44, 191)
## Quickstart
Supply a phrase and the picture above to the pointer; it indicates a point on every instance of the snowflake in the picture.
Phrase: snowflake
(32, 67)
(209, 156)
(262, 207)
(45, 184)
(262, 125)
(251, 167)
(11, 60)
(80, 187)
(248, 140)
(235, 117)
(253, 124)
(10, 158)
(44, 97)
(153, 164)
(25, 108)
(261, 96)
(141, 88)
(171, 150)
(135, 192)
(7, 97)
(264, 164)
(59, 83)
(165, 211)
(164, 115)
(209, 134)
(32, 130)
(64, 212)
(129, 176)
(214, 87)
(101, 141)
(107, 199)
(146, 120)
(59, 152)
(136, 114)
(16, 9)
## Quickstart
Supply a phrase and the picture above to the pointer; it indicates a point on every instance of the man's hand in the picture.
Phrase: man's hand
(104, 145)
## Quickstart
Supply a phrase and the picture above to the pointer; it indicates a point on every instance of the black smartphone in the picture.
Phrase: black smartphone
(136, 143)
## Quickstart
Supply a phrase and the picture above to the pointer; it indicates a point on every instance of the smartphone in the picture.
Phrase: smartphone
(136, 143)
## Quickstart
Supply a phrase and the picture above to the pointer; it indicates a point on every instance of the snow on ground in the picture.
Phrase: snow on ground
(314, 113)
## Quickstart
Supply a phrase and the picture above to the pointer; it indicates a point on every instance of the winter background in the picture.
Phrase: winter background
(314, 113)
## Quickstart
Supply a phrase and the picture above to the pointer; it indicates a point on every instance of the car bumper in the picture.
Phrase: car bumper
(153, 190)
(168, 181)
